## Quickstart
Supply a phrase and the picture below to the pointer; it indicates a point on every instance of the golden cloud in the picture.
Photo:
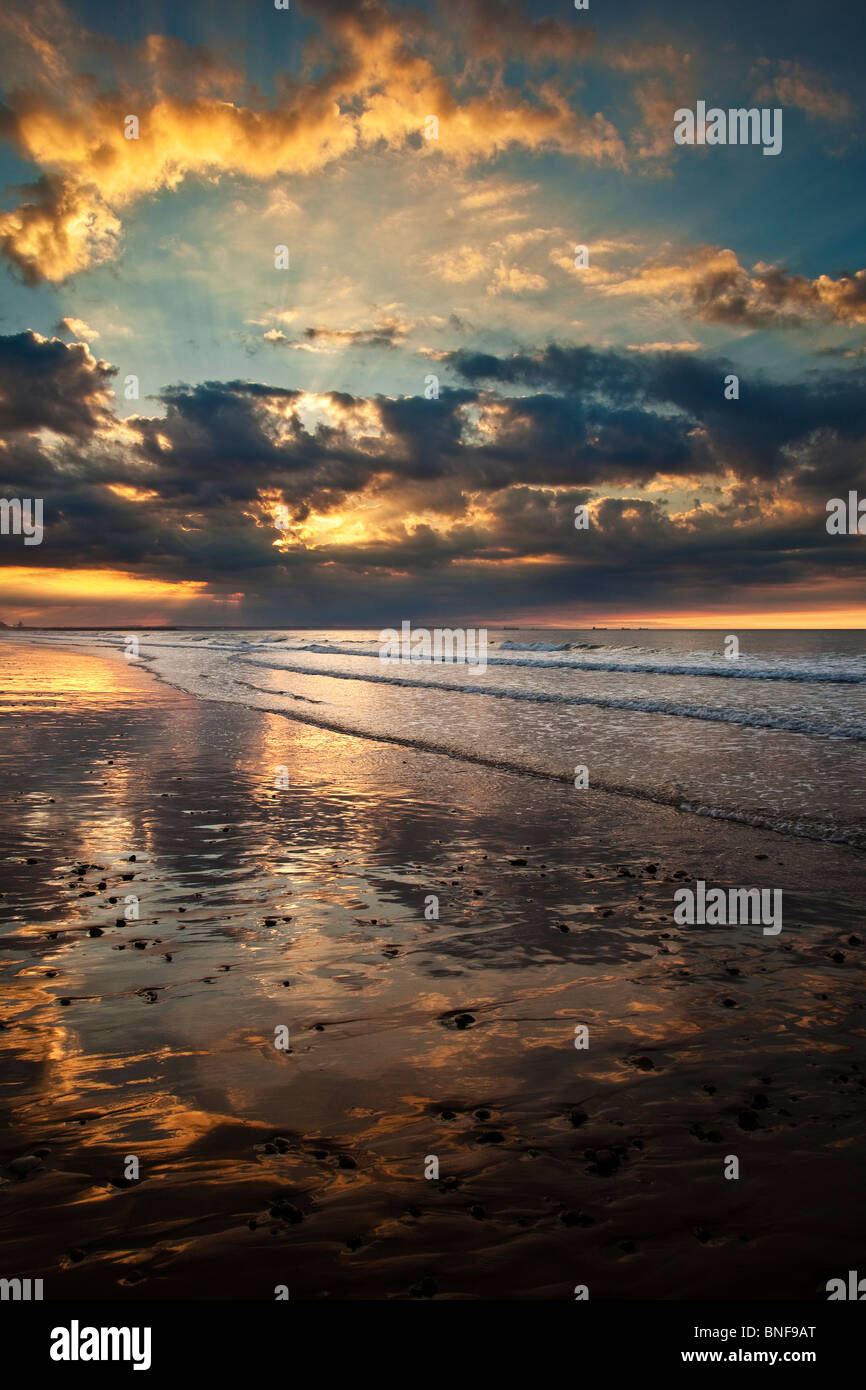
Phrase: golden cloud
(101, 153)
(710, 283)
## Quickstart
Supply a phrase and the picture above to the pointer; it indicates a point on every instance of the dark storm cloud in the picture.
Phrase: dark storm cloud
(752, 436)
(47, 384)
(490, 475)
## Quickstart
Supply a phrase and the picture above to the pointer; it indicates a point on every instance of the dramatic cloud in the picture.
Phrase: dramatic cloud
(376, 92)
(239, 485)
(771, 434)
(47, 384)
(410, 412)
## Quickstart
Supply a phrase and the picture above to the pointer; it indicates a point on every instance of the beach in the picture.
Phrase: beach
(283, 874)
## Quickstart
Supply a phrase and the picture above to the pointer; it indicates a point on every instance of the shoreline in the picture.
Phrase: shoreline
(798, 830)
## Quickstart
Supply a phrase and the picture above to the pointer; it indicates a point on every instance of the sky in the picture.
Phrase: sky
(296, 327)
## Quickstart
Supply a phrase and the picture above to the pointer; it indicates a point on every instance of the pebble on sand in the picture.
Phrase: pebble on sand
(24, 1165)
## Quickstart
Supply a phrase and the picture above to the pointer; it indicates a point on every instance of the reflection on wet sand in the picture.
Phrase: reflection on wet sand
(303, 905)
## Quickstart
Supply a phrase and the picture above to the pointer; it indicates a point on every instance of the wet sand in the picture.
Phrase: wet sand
(304, 907)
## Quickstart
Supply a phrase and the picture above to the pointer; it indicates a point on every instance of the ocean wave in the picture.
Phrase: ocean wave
(676, 708)
(724, 670)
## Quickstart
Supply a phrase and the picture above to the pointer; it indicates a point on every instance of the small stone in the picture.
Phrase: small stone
(606, 1161)
(576, 1218)
(285, 1210)
(22, 1166)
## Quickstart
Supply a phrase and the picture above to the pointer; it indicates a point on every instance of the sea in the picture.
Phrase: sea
(774, 736)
